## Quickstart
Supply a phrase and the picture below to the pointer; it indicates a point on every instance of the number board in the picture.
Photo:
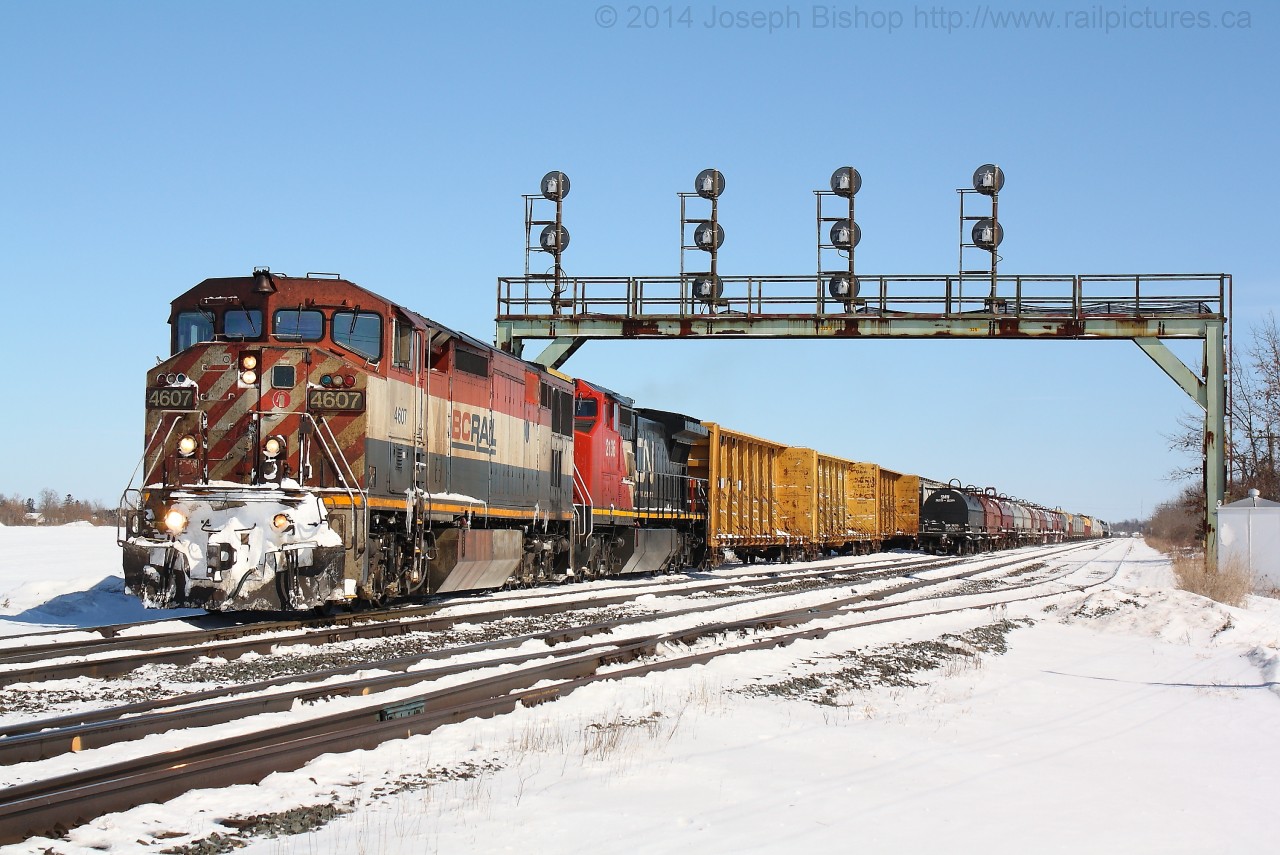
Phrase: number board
(335, 399)
(171, 397)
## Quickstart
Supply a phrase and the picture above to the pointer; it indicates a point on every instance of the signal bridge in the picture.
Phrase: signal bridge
(836, 302)
(1144, 308)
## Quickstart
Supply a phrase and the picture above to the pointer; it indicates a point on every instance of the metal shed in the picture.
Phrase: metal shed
(1249, 530)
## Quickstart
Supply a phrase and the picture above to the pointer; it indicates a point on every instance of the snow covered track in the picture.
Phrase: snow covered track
(93, 658)
(661, 642)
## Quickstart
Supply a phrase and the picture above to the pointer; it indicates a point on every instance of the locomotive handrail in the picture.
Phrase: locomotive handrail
(588, 512)
(346, 479)
(146, 448)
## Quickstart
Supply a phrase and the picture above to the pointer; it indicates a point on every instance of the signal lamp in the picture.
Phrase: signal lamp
(846, 182)
(841, 288)
(350, 381)
(326, 380)
(336, 380)
(708, 288)
(707, 239)
(175, 520)
(187, 445)
(988, 179)
(709, 184)
(280, 522)
(987, 234)
(555, 186)
(162, 380)
(550, 242)
(845, 235)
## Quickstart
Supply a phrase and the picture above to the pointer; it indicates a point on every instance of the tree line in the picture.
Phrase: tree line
(51, 509)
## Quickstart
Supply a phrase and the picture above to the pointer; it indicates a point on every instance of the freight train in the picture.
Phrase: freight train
(310, 443)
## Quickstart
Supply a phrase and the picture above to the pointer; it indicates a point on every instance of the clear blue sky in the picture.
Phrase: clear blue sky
(150, 145)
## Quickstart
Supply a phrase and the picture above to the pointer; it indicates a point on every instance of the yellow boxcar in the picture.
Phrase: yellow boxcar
(743, 512)
(884, 506)
(903, 528)
(812, 493)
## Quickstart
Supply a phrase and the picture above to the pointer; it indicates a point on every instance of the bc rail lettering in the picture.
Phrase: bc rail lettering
(473, 432)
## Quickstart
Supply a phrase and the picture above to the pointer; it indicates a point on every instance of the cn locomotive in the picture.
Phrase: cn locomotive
(311, 443)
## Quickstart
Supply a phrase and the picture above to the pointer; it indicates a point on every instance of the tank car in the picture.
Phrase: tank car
(955, 520)
(964, 519)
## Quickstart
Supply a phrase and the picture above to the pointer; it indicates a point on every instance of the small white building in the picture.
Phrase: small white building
(1249, 530)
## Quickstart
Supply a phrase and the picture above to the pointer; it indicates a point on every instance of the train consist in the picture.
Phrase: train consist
(310, 443)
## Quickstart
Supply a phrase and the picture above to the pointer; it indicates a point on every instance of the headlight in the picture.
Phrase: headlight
(248, 378)
(281, 522)
(175, 520)
(273, 446)
(187, 445)
(249, 362)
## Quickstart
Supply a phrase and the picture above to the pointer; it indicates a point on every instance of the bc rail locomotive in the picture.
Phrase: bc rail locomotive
(309, 442)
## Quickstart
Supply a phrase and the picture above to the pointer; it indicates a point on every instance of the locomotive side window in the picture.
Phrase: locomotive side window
(471, 363)
(402, 344)
(298, 324)
(586, 412)
(241, 324)
(360, 332)
(562, 414)
(193, 328)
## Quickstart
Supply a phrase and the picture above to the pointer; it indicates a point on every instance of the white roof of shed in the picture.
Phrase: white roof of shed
(1253, 501)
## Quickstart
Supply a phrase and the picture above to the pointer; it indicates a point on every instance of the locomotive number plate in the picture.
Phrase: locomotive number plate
(335, 399)
(171, 398)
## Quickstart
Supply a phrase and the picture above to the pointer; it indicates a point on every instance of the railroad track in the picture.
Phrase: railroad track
(114, 656)
(69, 798)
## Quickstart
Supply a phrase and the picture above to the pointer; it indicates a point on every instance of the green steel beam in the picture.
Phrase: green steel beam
(512, 330)
(1175, 368)
(558, 352)
(1215, 471)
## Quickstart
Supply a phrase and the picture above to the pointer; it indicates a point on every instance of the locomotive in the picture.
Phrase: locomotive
(311, 443)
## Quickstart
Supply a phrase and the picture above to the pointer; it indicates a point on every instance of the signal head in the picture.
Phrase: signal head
(709, 184)
(844, 234)
(707, 239)
(846, 182)
(555, 186)
(987, 234)
(553, 243)
(988, 179)
(708, 288)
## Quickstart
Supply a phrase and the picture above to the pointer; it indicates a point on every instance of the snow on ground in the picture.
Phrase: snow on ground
(1131, 718)
(64, 576)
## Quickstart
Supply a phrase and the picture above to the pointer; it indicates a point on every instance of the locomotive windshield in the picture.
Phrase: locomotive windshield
(298, 324)
(360, 332)
(192, 328)
(585, 413)
(241, 324)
